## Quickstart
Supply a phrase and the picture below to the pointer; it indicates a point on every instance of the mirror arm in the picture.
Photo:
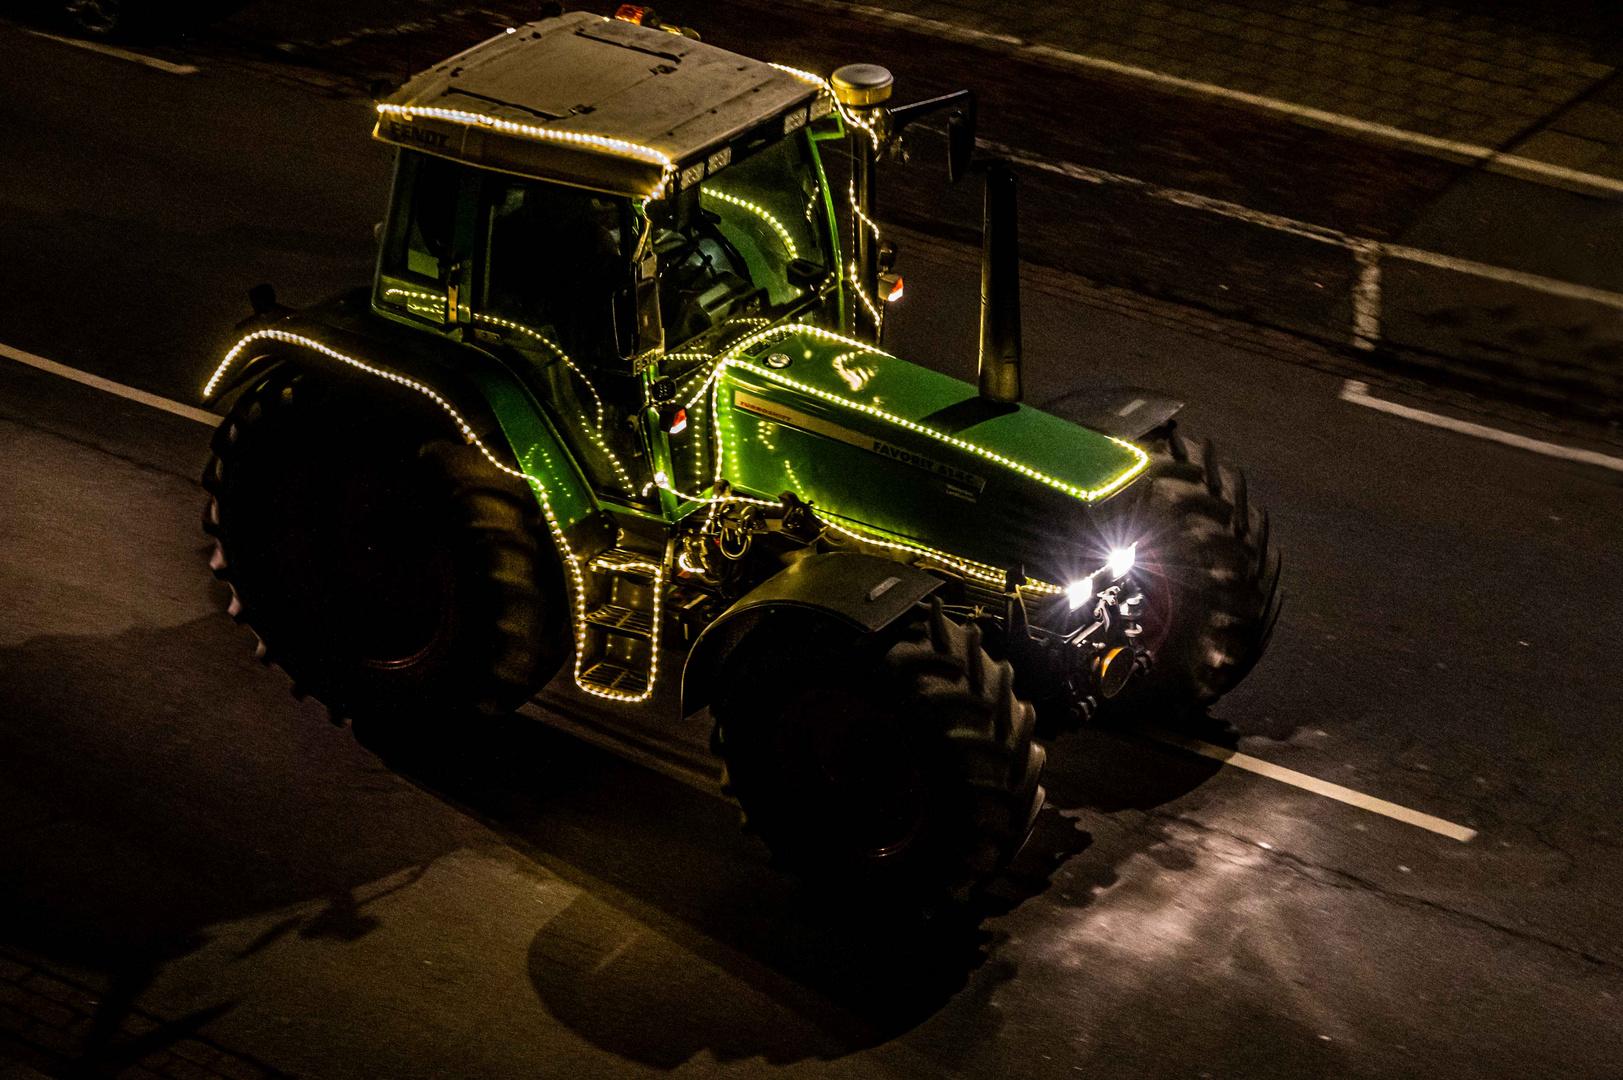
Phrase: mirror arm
(906, 114)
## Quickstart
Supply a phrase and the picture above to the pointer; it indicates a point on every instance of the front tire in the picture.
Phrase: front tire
(1210, 581)
(910, 775)
(388, 570)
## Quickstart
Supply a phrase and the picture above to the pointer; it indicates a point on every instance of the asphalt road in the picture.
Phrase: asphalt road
(214, 860)
(1139, 213)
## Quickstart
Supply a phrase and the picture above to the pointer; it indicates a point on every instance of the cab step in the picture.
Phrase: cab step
(622, 563)
(606, 675)
(622, 620)
(617, 649)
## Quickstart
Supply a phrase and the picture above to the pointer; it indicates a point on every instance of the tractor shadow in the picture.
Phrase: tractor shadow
(673, 890)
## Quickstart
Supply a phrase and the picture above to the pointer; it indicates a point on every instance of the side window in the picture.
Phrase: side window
(418, 253)
(551, 259)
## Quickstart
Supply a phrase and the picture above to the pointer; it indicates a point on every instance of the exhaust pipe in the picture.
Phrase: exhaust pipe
(1000, 288)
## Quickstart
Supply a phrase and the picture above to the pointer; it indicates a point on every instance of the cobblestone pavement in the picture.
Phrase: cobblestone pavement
(1539, 80)
(47, 1024)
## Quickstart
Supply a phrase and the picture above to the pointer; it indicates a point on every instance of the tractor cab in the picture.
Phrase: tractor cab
(603, 263)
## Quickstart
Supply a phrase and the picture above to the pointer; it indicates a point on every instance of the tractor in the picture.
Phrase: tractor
(615, 415)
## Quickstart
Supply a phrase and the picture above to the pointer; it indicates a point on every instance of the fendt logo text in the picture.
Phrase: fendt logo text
(413, 133)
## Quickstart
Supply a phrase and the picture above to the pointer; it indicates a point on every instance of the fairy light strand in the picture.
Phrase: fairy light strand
(618, 147)
(761, 212)
(595, 433)
(731, 358)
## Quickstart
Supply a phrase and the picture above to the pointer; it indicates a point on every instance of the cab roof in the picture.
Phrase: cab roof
(598, 103)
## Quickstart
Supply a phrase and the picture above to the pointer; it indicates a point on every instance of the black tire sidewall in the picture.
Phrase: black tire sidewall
(344, 443)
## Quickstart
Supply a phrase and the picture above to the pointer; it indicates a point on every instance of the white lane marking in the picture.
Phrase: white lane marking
(1358, 393)
(122, 54)
(1366, 297)
(1448, 149)
(202, 416)
(1500, 273)
(1366, 292)
(1319, 787)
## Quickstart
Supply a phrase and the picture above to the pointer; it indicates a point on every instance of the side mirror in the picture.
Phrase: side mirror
(650, 324)
(624, 314)
(960, 126)
(960, 141)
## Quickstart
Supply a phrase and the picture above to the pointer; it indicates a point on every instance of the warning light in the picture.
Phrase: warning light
(631, 13)
(895, 292)
(679, 422)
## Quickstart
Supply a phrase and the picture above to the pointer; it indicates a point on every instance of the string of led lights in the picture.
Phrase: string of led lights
(619, 147)
(858, 220)
(597, 402)
(595, 433)
(571, 560)
(731, 358)
(439, 300)
(761, 212)
(874, 311)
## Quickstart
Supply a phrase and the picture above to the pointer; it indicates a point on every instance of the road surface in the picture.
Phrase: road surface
(212, 871)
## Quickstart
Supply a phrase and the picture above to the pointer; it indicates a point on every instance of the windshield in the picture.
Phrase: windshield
(751, 241)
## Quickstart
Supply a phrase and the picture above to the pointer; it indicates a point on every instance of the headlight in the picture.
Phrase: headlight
(1079, 592)
(1121, 561)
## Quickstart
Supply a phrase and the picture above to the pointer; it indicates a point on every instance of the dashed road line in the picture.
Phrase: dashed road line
(115, 51)
(1235, 759)
(202, 416)
(1358, 394)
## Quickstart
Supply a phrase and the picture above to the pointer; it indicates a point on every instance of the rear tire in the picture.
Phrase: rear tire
(108, 20)
(1210, 582)
(911, 774)
(388, 570)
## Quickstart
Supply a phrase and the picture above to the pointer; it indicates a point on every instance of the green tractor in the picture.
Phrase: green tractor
(616, 403)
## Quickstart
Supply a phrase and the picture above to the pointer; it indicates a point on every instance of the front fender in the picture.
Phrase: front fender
(863, 592)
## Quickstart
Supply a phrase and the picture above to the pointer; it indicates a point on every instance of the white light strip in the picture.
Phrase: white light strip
(595, 433)
(875, 311)
(803, 76)
(618, 147)
(760, 212)
(730, 359)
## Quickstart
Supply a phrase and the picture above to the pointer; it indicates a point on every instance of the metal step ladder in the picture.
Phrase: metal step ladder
(618, 647)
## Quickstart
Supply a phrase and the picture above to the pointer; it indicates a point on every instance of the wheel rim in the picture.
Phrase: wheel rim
(1160, 605)
(365, 561)
(858, 772)
(95, 16)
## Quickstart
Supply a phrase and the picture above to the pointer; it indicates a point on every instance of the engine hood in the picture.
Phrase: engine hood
(885, 443)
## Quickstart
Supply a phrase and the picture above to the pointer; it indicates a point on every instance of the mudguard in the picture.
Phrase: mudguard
(489, 400)
(864, 592)
(1126, 412)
